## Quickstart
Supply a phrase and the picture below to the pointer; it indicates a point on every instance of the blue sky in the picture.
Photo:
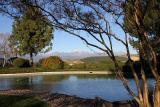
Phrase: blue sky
(63, 42)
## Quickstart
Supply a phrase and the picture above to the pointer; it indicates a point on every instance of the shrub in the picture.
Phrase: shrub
(127, 71)
(41, 60)
(52, 62)
(67, 66)
(20, 63)
(36, 64)
(79, 66)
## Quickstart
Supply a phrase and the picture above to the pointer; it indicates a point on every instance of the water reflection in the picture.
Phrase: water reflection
(86, 86)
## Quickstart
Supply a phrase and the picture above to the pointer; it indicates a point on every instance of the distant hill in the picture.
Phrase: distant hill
(77, 55)
(74, 55)
(103, 59)
(102, 62)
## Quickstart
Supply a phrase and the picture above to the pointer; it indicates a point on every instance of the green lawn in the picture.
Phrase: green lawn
(20, 101)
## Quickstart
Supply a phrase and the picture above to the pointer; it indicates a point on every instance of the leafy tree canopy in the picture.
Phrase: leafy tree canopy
(31, 33)
(151, 21)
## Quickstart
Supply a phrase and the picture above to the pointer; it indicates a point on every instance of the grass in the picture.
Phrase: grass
(90, 64)
(20, 101)
(22, 70)
(102, 58)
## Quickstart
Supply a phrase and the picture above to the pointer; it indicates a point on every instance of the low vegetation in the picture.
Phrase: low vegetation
(20, 101)
(21, 63)
(55, 63)
(138, 66)
(52, 62)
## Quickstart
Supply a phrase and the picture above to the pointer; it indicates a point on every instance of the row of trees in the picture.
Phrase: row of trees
(137, 19)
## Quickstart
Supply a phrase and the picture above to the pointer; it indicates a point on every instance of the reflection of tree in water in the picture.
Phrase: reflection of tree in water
(55, 78)
(36, 83)
(111, 76)
(22, 83)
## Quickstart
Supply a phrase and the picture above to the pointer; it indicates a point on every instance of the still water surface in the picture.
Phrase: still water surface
(85, 86)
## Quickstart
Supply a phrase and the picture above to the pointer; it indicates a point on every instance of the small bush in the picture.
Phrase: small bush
(41, 60)
(79, 66)
(36, 64)
(52, 62)
(20, 63)
(67, 66)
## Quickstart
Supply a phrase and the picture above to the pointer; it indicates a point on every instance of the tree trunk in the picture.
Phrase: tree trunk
(4, 60)
(31, 59)
(156, 94)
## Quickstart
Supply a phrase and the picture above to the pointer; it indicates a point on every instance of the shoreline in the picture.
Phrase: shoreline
(64, 100)
(57, 73)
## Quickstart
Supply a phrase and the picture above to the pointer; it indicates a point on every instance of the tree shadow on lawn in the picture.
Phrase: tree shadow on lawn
(20, 101)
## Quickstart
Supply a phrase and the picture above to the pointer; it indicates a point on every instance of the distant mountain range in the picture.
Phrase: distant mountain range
(77, 55)
(74, 55)
(103, 58)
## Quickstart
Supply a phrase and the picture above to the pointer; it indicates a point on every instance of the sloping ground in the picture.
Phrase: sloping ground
(20, 98)
(103, 59)
(62, 100)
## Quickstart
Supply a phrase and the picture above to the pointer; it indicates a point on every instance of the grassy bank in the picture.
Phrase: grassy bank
(94, 66)
(20, 101)
(86, 64)
(22, 70)
(39, 69)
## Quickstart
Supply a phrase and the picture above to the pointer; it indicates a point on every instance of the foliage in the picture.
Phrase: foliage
(102, 63)
(137, 67)
(41, 60)
(126, 69)
(80, 66)
(5, 49)
(94, 63)
(32, 33)
(52, 62)
(20, 101)
(20, 63)
(8, 70)
(151, 21)
(102, 58)
(95, 17)
(67, 66)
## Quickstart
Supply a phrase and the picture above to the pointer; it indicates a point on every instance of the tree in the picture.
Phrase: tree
(52, 62)
(5, 48)
(143, 17)
(151, 22)
(93, 18)
(32, 33)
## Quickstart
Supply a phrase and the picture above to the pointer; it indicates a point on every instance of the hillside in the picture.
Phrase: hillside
(96, 63)
(103, 59)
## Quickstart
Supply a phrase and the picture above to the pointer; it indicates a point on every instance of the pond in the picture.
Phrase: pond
(86, 86)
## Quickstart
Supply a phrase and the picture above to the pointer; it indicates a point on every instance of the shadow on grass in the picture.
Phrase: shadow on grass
(20, 101)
